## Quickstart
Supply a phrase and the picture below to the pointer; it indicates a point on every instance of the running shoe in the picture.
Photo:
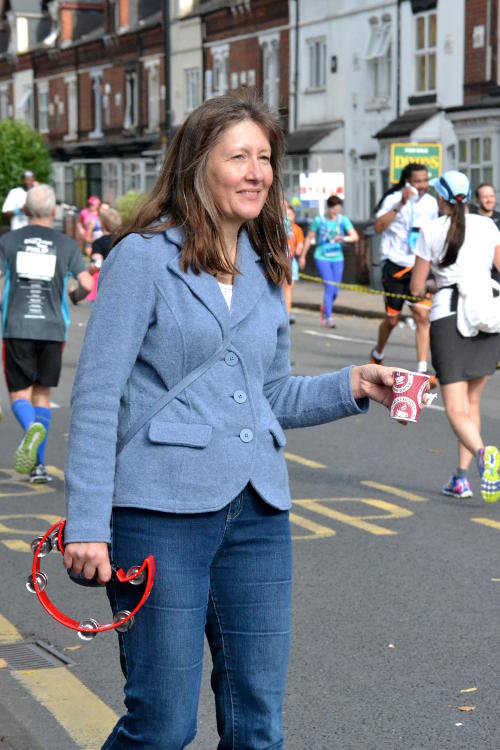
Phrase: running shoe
(329, 323)
(458, 487)
(25, 459)
(488, 464)
(374, 359)
(40, 475)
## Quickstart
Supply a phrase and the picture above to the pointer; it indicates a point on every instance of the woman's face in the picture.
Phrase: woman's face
(239, 172)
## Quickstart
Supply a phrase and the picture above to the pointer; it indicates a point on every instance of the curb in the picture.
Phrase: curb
(13, 736)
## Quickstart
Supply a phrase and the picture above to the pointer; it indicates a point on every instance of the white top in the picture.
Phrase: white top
(394, 244)
(474, 259)
(16, 198)
(227, 292)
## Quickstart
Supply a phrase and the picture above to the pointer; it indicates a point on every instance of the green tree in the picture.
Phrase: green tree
(21, 148)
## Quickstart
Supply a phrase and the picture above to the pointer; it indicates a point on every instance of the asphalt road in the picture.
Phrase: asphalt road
(396, 587)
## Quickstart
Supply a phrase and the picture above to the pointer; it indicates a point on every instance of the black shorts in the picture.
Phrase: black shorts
(28, 362)
(396, 280)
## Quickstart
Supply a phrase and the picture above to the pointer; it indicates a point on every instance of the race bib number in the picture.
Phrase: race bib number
(35, 266)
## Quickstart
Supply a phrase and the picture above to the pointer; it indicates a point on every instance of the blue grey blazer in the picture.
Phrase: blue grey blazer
(151, 325)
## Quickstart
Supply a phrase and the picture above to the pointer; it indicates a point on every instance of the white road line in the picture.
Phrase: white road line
(338, 338)
(54, 405)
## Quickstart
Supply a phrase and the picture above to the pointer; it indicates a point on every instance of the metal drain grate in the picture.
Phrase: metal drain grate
(38, 655)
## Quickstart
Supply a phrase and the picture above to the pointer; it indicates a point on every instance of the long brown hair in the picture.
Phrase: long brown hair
(181, 196)
(455, 236)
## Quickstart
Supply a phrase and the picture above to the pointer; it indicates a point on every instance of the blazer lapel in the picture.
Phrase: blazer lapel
(203, 285)
(249, 284)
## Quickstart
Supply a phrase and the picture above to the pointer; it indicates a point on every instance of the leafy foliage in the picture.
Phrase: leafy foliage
(21, 148)
(127, 203)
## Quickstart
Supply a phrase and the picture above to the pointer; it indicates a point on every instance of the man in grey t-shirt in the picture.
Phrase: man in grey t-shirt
(36, 262)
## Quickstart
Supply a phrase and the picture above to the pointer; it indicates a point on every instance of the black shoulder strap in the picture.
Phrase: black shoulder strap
(172, 393)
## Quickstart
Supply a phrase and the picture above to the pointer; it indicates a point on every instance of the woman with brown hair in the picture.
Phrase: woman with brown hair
(459, 246)
(182, 456)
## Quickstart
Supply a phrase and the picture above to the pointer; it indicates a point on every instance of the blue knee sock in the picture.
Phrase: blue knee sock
(43, 416)
(24, 412)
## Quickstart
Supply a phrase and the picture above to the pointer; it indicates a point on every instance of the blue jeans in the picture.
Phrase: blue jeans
(330, 270)
(226, 574)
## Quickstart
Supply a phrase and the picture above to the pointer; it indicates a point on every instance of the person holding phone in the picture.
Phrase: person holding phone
(400, 214)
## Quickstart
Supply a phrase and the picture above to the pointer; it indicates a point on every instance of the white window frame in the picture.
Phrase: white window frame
(293, 166)
(72, 107)
(131, 114)
(43, 106)
(378, 56)
(154, 94)
(133, 175)
(316, 55)
(270, 44)
(481, 169)
(26, 104)
(97, 76)
(4, 101)
(192, 78)
(220, 69)
(111, 180)
(427, 52)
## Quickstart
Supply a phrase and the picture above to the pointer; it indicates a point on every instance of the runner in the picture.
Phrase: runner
(330, 232)
(457, 247)
(295, 247)
(13, 207)
(36, 261)
(399, 216)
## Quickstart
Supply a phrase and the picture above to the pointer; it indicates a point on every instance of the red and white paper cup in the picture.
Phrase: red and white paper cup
(408, 395)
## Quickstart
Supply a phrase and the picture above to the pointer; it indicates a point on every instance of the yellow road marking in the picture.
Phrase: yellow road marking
(21, 485)
(360, 522)
(59, 473)
(18, 545)
(46, 517)
(304, 461)
(8, 632)
(394, 491)
(86, 718)
(487, 522)
(316, 528)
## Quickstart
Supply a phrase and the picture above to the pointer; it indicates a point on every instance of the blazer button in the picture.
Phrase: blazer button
(240, 397)
(231, 359)
(246, 435)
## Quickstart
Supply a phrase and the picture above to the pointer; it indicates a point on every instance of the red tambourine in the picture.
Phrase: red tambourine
(87, 629)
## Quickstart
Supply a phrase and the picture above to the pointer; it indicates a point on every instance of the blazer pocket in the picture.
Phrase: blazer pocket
(276, 431)
(180, 433)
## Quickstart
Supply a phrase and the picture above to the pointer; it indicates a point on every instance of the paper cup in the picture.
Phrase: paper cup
(407, 395)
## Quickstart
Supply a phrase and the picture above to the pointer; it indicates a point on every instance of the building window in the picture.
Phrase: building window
(22, 35)
(220, 69)
(72, 107)
(131, 108)
(4, 102)
(43, 107)
(378, 58)
(132, 177)
(110, 181)
(26, 104)
(154, 94)
(293, 166)
(425, 56)
(317, 63)
(475, 159)
(152, 170)
(185, 7)
(192, 88)
(96, 76)
(271, 70)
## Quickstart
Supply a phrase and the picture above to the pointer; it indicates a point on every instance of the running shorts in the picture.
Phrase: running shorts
(29, 361)
(396, 280)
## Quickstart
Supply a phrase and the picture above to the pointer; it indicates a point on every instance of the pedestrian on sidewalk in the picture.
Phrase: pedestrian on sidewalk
(459, 246)
(330, 232)
(36, 261)
(13, 206)
(200, 483)
(400, 214)
(295, 247)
